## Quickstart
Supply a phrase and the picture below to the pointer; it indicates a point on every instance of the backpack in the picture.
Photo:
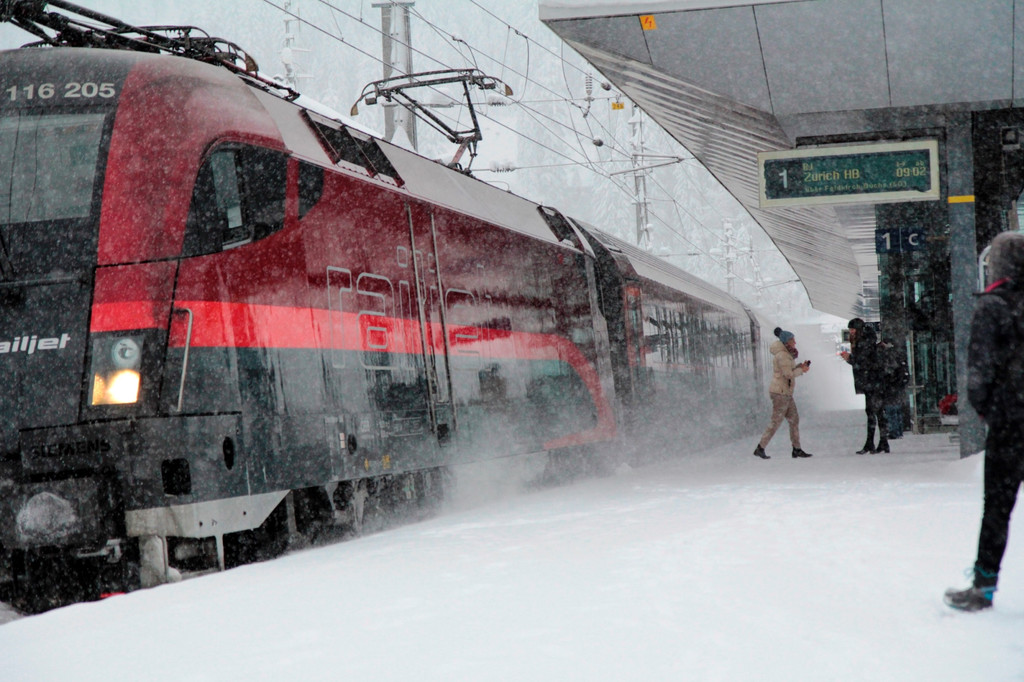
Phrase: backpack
(895, 373)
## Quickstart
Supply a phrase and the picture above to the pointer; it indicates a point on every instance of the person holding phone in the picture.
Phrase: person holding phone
(785, 370)
(869, 381)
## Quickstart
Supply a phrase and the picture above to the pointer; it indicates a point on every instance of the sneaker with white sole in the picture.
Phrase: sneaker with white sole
(971, 599)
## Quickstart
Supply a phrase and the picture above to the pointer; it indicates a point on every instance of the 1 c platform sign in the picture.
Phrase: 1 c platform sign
(866, 173)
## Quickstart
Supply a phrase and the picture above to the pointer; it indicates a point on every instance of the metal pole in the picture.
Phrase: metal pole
(396, 36)
(636, 124)
(291, 78)
(964, 267)
(729, 239)
(915, 422)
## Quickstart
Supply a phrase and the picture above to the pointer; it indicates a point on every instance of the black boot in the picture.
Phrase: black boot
(797, 452)
(869, 444)
(759, 452)
(883, 446)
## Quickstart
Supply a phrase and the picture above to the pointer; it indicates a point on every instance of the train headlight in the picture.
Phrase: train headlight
(119, 388)
(116, 379)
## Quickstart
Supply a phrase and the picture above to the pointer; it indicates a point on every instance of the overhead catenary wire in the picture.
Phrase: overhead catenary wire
(564, 62)
(590, 163)
(525, 76)
(560, 98)
(616, 147)
(560, 57)
(432, 59)
(434, 27)
(380, 61)
(622, 187)
(699, 222)
(327, 33)
(573, 163)
(538, 44)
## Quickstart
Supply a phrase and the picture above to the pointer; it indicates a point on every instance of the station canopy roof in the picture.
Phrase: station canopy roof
(729, 79)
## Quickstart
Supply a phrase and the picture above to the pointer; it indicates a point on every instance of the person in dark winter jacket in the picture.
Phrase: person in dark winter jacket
(995, 388)
(869, 380)
(784, 374)
(896, 376)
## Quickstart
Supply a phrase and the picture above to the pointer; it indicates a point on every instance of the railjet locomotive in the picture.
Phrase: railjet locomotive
(227, 320)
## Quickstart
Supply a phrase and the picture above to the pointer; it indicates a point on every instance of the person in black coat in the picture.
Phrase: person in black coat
(869, 380)
(896, 375)
(995, 388)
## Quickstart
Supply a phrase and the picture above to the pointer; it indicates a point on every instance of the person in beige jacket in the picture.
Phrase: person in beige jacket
(785, 372)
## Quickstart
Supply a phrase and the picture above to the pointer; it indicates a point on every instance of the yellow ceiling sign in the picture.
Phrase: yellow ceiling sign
(618, 105)
(648, 23)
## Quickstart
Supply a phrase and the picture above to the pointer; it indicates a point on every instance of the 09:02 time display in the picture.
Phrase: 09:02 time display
(72, 90)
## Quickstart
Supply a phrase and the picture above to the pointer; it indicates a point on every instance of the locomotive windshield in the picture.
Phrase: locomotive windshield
(47, 165)
(48, 178)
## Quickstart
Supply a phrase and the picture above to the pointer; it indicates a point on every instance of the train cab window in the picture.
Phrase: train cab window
(48, 166)
(238, 198)
(226, 194)
(311, 186)
(51, 173)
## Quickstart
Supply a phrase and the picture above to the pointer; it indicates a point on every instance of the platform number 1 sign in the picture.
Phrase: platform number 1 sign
(902, 239)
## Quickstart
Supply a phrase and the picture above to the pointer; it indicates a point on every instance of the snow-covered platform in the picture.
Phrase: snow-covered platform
(718, 567)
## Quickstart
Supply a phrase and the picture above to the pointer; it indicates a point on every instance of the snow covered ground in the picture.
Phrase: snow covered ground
(719, 567)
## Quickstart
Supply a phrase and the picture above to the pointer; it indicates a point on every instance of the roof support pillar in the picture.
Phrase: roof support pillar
(963, 266)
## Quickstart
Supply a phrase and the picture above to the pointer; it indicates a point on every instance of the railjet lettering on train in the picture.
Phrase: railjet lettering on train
(346, 382)
(30, 344)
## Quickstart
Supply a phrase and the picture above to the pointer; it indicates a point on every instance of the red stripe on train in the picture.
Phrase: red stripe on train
(245, 325)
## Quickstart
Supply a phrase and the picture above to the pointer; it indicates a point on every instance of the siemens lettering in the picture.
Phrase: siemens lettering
(30, 344)
(93, 446)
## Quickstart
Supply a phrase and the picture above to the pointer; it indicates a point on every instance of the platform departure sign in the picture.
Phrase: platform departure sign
(865, 173)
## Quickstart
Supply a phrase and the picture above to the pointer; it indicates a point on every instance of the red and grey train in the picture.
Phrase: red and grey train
(226, 318)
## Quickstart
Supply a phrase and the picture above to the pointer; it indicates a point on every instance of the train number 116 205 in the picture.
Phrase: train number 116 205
(72, 90)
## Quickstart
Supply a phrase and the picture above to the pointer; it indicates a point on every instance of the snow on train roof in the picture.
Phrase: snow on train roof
(434, 182)
(429, 180)
(654, 268)
(421, 177)
(458, 191)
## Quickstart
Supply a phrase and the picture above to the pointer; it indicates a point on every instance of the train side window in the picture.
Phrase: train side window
(239, 197)
(226, 194)
(213, 210)
(264, 176)
(311, 186)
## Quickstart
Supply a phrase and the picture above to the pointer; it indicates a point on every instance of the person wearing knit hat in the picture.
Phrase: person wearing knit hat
(995, 363)
(785, 370)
